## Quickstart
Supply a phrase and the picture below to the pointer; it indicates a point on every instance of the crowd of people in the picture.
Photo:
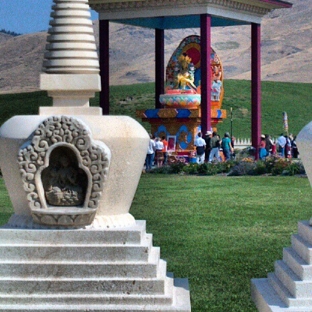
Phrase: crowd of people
(285, 146)
(213, 148)
(156, 152)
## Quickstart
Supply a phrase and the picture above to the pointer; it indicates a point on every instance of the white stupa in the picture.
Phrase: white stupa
(71, 174)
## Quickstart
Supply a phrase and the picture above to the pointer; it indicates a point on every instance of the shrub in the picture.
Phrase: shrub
(163, 170)
(247, 152)
(280, 165)
(176, 167)
(294, 168)
(242, 168)
(191, 168)
(269, 163)
(299, 168)
(225, 167)
(247, 166)
(208, 169)
(260, 168)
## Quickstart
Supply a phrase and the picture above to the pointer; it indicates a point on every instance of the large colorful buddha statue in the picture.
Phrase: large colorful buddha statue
(183, 76)
(180, 117)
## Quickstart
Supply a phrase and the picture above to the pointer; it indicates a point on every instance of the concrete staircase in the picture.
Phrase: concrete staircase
(86, 270)
(289, 288)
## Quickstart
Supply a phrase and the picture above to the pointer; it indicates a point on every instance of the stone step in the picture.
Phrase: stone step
(98, 308)
(302, 248)
(267, 299)
(305, 231)
(86, 286)
(180, 302)
(88, 275)
(285, 295)
(297, 287)
(279, 288)
(116, 285)
(128, 235)
(82, 252)
(81, 269)
(80, 298)
(297, 264)
(72, 299)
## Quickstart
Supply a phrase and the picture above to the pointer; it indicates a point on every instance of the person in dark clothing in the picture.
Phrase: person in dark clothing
(294, 148)
(233, 156)
(226, 146)
(215, 147)
(207, 139)
(268, 144)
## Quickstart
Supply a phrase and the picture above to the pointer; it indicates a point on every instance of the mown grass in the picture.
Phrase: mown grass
(219, 232)
(277, 97)
(6, 209)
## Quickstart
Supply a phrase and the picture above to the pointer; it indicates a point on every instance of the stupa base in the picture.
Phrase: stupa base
(86, 270)
(289, 288)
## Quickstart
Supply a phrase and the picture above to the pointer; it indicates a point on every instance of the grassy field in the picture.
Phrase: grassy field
(277, 97)
(219, 232)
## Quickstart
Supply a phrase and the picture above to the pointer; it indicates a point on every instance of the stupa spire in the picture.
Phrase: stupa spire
(71, 44)
(71, 67)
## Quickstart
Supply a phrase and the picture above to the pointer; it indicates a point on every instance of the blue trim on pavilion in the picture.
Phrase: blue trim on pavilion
(178, 22)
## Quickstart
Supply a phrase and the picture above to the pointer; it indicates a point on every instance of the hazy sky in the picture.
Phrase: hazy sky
(26, 16)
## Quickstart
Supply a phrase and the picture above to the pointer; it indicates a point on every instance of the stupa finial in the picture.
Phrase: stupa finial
(71, 66)
(71, 44)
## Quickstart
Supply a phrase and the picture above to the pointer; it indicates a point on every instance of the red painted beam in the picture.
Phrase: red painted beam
(159, 65)
(104, 65)
(256, 86)
(205, 42)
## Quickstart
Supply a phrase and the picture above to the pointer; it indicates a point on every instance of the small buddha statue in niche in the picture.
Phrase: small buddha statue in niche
(64, 182)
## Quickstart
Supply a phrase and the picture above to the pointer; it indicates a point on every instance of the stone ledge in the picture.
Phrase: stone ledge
(10, 234)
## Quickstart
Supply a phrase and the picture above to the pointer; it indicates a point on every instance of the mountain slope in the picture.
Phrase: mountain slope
(286, 51)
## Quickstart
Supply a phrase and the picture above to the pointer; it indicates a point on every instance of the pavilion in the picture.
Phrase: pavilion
(177, 14)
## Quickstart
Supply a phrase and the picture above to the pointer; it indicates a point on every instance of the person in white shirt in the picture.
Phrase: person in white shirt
(159, 155)
(200, 149)
(281, 142)
(150, 154)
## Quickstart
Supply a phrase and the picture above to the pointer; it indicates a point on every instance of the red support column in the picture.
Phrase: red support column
(256, 86)
(205, 42)
(159, 65)
(104, 65)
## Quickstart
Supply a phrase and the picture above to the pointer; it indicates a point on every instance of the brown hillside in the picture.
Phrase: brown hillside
(286, 51)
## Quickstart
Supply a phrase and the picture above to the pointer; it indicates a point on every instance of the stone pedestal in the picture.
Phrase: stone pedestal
(86, 270)
(289, 288)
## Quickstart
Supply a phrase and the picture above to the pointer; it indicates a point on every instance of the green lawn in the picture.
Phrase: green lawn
(219, 232)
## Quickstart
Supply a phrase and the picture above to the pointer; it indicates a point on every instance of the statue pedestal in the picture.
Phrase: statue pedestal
(181, 123)
(86, 270)
(289, 288)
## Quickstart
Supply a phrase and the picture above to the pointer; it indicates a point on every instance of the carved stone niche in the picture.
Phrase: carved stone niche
(63, 172)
